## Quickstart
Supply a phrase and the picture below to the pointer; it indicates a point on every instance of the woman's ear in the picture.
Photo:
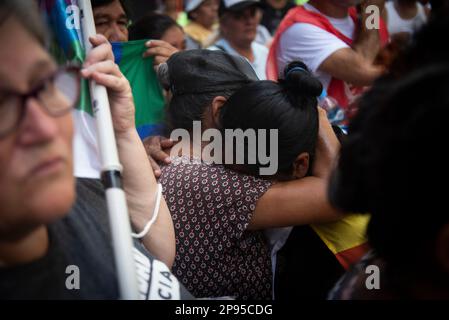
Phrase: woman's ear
(301, 165)
(217, 104)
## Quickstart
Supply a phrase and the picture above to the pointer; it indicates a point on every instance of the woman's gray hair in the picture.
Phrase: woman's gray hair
(163, 75)
(27, 14)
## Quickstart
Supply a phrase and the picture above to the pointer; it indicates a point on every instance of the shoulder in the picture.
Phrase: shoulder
(209, 179)
(309, 43)
(260, 48)
(218, 45)
(185, 166)
(389, 5)
(304, 32)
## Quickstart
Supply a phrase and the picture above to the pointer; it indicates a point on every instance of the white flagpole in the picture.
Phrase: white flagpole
(111, 173)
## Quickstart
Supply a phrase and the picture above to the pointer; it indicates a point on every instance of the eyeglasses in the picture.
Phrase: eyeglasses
(58, 94)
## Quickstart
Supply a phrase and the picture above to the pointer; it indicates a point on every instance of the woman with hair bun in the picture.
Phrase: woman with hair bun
(220, 214)
(303, 266)
(289, 106)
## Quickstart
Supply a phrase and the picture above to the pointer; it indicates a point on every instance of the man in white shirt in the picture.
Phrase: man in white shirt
(323, 36)
(404, 17)
(238, 29)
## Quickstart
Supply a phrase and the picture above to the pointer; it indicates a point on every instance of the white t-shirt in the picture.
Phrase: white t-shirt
(260, 55)
(312, 45)
(397, 25)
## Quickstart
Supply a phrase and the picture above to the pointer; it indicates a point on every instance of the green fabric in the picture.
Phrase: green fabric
(148, 97)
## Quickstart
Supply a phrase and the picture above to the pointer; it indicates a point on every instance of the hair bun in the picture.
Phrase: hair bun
(300, 81)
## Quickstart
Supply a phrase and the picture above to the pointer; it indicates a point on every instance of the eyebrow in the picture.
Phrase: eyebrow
(107, 16)
(40, 70)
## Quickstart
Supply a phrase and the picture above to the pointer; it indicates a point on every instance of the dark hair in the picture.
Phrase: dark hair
(392, 165)
(102, 3)
(289, 106)
(151, 26)
(184, 109)
(196, 77)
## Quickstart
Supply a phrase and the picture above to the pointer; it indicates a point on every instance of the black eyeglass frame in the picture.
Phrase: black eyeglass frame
(68, 69)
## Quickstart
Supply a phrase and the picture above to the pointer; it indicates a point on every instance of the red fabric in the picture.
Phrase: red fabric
(352, 255)
(299, 14)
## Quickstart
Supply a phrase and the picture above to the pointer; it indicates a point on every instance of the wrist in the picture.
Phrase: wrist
(126, 135)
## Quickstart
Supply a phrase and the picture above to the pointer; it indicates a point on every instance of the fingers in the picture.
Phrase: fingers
(154, 145)
(107, 67)
(158, 43)
(109, 81)
(166, 143)
(160, 155)
(156, 169)
(322, 112)
(102, 51)
(98, 39)
(160, 50)
(100, 67)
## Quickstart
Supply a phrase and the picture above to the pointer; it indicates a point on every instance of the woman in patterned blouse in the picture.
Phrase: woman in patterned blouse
(219, 214)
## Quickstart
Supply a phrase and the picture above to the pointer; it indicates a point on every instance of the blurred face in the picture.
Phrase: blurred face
(36, 180)
(175, 37)
(112, 22)
(240, 27)
(207, 13)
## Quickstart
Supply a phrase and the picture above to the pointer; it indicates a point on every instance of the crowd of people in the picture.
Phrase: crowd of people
(352, 107)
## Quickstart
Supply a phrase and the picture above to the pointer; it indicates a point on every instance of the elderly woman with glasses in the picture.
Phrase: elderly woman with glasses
(49, 230)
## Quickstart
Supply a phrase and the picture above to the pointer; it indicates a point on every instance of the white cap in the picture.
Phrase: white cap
(190, 5)
(238, 4)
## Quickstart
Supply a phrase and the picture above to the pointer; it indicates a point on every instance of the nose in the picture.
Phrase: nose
(117, 34)
(36, 126)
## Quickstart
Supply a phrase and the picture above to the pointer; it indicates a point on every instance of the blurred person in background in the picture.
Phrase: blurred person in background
(273, 13)
(202, 26)
(334, 43)
(158, 27)
(408, 231)
(111, 20)
(404, 17)
(405, 111)
(238, 30)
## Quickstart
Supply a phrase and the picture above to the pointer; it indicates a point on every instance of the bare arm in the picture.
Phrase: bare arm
(302, 201)
(140, 187)
(351, 67)
(355, 65)
(138, 179)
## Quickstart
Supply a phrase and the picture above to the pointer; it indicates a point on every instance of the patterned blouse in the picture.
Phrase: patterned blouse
(211, 206)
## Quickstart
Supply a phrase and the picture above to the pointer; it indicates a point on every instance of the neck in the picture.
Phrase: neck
(330, 9)
(243, 49)
(26, 249)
